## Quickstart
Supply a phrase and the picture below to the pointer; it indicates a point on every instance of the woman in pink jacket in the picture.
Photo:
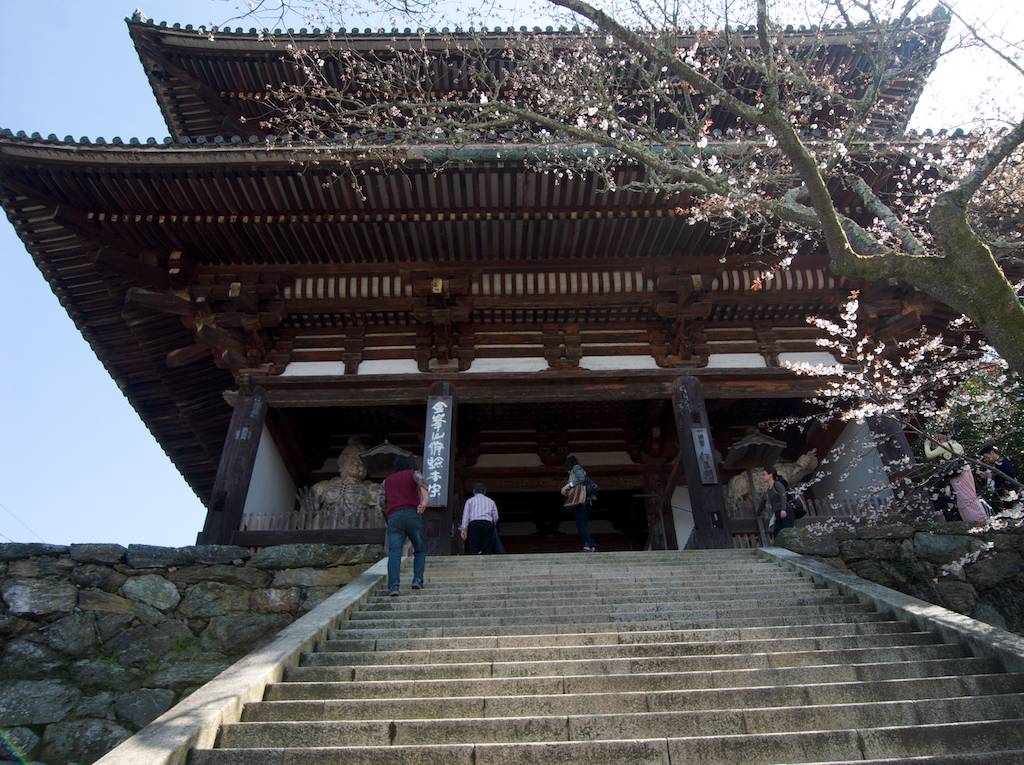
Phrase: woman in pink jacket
(961, 482)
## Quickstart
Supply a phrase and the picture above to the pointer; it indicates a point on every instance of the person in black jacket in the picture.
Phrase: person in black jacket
(1005, 480)
(776, 502)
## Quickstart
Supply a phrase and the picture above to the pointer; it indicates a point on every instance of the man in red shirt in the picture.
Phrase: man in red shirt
(406, 494)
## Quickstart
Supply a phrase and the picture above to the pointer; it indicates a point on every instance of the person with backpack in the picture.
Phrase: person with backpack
(776, 503)
(579, 492)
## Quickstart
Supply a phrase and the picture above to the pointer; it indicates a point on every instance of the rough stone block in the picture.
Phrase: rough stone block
(38, 597)
(943, 548)
(19, 550)
(98, 553)
(991, 571)
(109, 625)
(27, 659)
(314, 577)
(298, 556)
(895, 531)
(75, 634)
(152, 590)
(241, 575)
(277, 601)
(97, 706)
(97, 576)
(806, 542)
(152, 556)
(144, 644)
(104, 674)
(208, 599)
(181, 672)
(24, 741)
(81, 740)
(956, 595)
(29, 568)
(104, 602)
(36, 702)
(215, 554)
(143, 706)
(238, 633)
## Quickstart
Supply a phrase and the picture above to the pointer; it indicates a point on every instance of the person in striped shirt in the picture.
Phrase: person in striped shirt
(479, 517)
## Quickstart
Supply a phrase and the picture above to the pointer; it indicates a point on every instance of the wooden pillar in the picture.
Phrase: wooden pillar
(439, 468)
(654, 496)
(231, 486)
(697, 454)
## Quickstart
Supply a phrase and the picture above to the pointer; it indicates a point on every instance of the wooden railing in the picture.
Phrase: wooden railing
(296, 520)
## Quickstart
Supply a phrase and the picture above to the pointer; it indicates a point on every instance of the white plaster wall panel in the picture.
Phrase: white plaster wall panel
(313, 369)
(736, 361)
(389, 367)
(682, 515)
(271, 489)
(525, 364)
(618, 362)
(807, 357)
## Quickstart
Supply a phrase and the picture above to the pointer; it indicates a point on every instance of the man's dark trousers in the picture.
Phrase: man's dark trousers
(481, 538)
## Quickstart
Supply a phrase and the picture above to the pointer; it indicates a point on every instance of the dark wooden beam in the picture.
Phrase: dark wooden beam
(234, 473)
(134, 268)
(551, 386)
(319, 536)
(164, 302)
(190, 354)
(697, 456)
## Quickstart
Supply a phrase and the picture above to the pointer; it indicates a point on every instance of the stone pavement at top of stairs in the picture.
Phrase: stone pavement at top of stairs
(709, 657)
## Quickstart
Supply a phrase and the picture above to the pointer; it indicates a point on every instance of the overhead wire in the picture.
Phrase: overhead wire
(25, 525)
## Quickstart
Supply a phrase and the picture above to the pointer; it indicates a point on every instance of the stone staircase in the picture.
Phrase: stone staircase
(697, 657)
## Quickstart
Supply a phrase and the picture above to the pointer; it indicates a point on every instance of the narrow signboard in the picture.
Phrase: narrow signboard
(705, 456)
(437, 449)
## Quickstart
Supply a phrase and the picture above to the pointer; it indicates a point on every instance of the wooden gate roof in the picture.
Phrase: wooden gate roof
(330, 273)
(216, 83)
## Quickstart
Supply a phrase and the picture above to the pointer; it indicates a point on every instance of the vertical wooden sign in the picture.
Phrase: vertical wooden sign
(697, 452)
(437, 449)
(438, 468)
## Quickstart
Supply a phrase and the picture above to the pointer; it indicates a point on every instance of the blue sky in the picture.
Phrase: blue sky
(76, 463)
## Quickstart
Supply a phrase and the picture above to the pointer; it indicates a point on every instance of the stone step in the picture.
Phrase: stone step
(341, 683)
(715, 658)
(631, 725)
(331, 653)
(617, 637)
(572, 607)
(596, 753)
(613, 559)
(430, 598)
(823, 612)
(360, 631)
(490, 580)
(633, 701)
(621, 666)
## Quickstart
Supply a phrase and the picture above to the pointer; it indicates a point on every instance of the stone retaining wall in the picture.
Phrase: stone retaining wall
(978, 573)
(99, 639)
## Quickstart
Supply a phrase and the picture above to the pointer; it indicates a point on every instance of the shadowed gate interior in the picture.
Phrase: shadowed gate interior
(518, 451)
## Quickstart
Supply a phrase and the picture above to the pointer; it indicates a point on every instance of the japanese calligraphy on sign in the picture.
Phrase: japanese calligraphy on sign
(705, 456)
(437, 450)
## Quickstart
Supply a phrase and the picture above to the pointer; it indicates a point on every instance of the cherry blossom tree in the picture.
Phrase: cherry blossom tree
(924, 387)
(793, 136)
